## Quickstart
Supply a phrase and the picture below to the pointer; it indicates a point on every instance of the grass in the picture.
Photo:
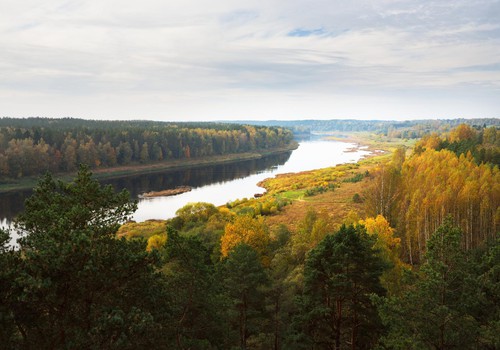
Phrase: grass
(374, 141)
(293, 195)
(336, 205)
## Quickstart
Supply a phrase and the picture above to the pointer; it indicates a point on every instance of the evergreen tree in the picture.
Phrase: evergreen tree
(444, 305)
(195, 301)
(340, 275)
(78, 286)
(243, 278)
(9, 262)
(487, 311)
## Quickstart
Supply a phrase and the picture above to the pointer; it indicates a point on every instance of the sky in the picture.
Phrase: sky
(231, 59)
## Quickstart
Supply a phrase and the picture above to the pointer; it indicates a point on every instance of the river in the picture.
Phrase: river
(308, 156)
(217, 184)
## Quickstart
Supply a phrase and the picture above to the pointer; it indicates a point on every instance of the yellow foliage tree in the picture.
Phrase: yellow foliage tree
(389, 248)
(385, 233)
(156, 242)
(383, 192)
(311, 230)
(431, 141)
(436, 184)
(398, 157)
(245, 229)
(461, 133)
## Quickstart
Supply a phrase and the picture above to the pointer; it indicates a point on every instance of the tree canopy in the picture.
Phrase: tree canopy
(76, 284)
(33, 146)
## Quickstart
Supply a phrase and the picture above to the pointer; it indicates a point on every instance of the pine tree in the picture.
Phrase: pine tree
(340, 275)
(198, 319)
(243, 278)
(78, 286)
(438, 309)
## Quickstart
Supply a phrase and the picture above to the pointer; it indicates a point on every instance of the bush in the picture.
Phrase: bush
(357, 198)
(355, 178)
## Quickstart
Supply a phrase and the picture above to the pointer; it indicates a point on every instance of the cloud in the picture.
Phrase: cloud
(234, 57)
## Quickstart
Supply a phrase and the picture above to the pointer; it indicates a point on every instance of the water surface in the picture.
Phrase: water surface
(308, 156)
(217, 184)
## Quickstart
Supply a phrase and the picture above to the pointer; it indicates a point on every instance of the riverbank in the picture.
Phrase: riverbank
(137, 169)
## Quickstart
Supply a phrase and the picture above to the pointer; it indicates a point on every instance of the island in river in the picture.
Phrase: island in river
(166, 193)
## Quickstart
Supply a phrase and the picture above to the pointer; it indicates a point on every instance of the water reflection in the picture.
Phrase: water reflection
(196, 177)
(12, 203)
(216, 184)
(310, 155)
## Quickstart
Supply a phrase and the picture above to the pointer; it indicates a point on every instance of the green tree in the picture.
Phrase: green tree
(157, 153)
(78, 286)
(281, 298)
(144, 155)
(340, 275)
(487, 311)
(125, 153)
(243, 278)
(9, 261)
(195, 300)
(437, 310)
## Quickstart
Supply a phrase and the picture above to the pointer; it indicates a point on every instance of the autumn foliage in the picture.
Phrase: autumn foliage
(437, 180)
(248, 230)
(437, 184)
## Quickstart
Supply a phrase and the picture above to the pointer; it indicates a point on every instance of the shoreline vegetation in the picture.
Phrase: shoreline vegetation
(137, 169)
(31, 147)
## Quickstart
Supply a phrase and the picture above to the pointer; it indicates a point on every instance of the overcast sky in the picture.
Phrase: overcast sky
(231, 59)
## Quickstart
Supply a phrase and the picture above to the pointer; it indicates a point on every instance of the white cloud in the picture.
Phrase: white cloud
(201, 59)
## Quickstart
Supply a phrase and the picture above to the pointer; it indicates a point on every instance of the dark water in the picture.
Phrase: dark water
(12, 203)
(216, 184)
(196, 177)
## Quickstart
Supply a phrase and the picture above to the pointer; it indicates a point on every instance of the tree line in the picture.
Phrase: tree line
(409, 129)
(33, 146)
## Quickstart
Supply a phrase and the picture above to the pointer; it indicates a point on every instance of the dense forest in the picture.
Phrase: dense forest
(33, 146)
(405, 256)
(455, 175)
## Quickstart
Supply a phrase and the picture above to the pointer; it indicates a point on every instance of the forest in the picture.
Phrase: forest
(33, 146)
(397, 251)
(410, 129)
